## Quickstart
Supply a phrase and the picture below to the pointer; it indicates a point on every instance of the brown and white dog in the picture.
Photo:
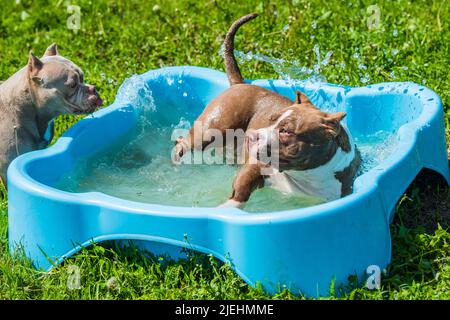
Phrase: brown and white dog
(33, 97)
(317, 156)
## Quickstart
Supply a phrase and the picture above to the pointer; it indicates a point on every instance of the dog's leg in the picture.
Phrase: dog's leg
(198, 138)
(247, 180)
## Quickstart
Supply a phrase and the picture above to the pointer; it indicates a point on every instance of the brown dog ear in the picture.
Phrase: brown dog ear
(34, 64)
(298, 97)
(52, 50)
(336, 117)
(332, 125)
(301, 98)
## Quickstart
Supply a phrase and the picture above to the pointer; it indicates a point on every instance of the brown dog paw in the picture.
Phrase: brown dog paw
(232, 204)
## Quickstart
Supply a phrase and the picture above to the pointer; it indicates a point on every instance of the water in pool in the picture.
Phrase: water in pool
(140, 169)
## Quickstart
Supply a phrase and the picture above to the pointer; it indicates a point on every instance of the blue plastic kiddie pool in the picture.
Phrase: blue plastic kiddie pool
(302, 249)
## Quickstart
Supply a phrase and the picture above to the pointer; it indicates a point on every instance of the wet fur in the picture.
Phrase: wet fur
(252, 108)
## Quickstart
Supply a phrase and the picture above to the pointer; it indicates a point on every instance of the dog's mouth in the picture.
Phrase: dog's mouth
(91, 104)
(95, 101)
(284, 161)
(284, 164)
(268, 155)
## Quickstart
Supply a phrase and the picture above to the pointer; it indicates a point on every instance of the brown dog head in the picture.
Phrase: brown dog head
(306, 136)
(57, 85)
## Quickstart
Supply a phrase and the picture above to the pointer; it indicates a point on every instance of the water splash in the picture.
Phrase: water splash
(374, 148)
(321, 63)
(290, 71)
(365, 79)
(136, 92)
(183, 124)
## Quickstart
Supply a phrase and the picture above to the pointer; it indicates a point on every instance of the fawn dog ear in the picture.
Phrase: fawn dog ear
(301, 98)
(34, 66)
(52, 50)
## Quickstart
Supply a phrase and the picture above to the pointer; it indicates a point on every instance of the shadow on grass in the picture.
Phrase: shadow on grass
(419, 241)
(425, 204)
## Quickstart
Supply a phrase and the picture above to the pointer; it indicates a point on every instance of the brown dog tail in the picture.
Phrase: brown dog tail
(231, 67)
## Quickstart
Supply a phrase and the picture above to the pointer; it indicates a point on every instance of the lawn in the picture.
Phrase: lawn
(409, 42)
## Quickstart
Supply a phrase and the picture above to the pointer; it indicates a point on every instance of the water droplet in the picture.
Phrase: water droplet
(365, 78)
(24, 15)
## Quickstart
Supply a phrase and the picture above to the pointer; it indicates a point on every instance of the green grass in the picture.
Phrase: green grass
(120, 38)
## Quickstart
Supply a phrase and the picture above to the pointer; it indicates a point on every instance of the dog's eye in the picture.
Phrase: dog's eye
(72, 84)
